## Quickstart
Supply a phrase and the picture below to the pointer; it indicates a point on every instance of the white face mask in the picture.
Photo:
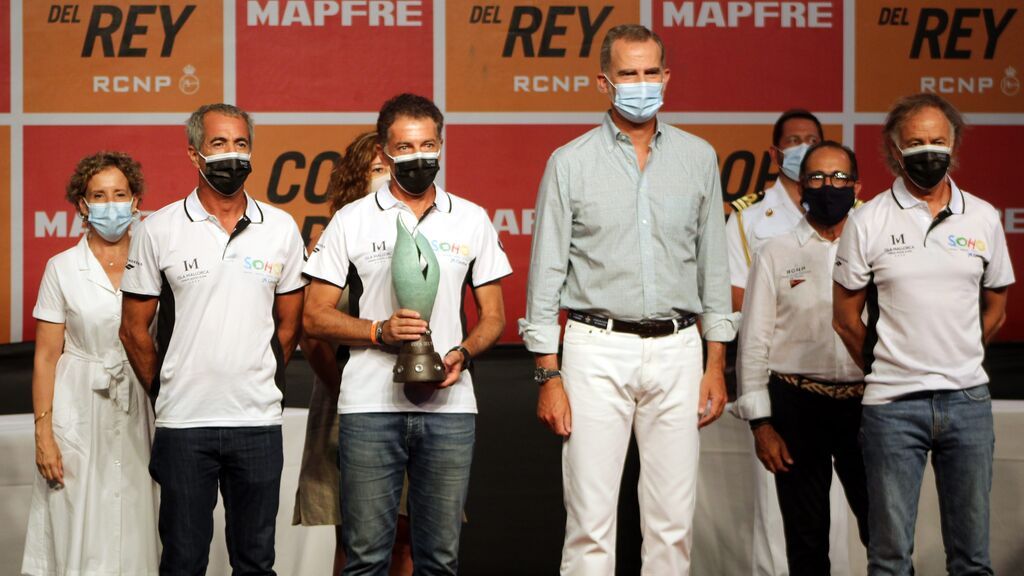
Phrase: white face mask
(638, 102)
(792, 158)
(110, 219)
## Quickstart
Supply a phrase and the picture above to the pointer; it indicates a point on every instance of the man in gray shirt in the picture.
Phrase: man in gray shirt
(630, 240)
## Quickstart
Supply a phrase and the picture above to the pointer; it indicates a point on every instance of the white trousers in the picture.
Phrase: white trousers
(769, 549)
(617, 383)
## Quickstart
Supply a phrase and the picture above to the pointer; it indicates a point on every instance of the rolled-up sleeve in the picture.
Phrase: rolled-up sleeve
(549, 261)
(718, 322)
(759, 302)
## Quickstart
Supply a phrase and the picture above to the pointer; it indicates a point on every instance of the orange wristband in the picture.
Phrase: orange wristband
(373, 333)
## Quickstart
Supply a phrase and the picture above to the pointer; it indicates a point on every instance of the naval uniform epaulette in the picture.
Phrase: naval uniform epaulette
(747, 201)
(738, 206)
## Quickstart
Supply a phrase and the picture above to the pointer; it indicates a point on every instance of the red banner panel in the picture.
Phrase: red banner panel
(332, 55)
(506, 185)
(752, 56)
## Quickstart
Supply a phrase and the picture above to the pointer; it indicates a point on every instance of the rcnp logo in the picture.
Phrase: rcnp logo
(965, 52)
(347, 55)
(541, 56)
(752, 56)
(122, 56)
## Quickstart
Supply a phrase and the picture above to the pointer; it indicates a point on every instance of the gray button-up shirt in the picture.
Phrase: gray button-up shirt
(614, 241)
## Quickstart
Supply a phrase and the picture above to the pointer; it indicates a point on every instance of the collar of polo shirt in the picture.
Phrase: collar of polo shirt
(196, 213)
(804, 232)
(904, 199)
(614, 134)
(386, 200)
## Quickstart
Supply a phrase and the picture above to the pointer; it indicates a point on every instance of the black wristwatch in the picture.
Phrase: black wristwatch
(379, 335)
(542, 375)
(758, 422)
(467, 360)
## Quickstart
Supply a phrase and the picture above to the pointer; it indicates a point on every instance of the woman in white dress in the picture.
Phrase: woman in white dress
(93, 505)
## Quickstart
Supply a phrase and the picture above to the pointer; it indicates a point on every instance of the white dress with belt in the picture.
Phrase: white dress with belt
(104, 519)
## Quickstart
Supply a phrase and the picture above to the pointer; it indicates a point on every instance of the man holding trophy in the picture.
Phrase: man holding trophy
(407, 251)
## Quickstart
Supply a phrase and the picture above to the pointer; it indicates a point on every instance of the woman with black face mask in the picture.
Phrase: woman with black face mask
(798, 386)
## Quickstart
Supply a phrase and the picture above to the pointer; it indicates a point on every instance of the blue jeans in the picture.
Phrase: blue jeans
(956, 427)
(189, 463)
(375, 451)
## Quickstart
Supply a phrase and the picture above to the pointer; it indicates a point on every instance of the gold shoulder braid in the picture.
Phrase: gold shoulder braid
(738, 206)
(747, 201)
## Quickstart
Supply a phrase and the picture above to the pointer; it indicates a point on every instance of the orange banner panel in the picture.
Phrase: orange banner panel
(537, 56)
(123, 56)
(968, 51)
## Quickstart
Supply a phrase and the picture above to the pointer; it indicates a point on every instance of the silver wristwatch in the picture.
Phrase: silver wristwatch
(542, 375)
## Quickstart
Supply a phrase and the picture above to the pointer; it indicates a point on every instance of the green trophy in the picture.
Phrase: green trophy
(415, 275)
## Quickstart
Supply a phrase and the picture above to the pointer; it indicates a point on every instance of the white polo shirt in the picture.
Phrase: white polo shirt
(928, 274)
(221, 360)
(355, 250)
(787, 319)
(748, 229)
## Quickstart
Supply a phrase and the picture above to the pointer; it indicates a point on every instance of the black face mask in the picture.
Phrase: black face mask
(927, 165)
(226, 173)
(828, 205)
(416, 172)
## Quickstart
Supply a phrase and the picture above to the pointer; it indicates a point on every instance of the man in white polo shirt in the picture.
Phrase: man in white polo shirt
(226, 271)
(930, 261)
(385, 428)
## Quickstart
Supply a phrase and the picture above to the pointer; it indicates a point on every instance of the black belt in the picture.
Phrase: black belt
(643, 328)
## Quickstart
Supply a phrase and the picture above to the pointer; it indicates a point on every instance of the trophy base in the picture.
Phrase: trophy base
(418, 362)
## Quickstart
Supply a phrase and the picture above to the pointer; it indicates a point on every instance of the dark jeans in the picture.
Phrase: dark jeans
(818, 431)
(376, 450)
(956, 427)
(188, 463)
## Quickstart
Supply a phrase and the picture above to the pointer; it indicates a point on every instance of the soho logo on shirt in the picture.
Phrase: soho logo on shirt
(966, 244)
(456, 252)
(270, 272)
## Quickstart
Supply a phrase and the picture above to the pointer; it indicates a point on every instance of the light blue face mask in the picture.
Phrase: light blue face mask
(792, 158)
(638, 102)
(110, 219)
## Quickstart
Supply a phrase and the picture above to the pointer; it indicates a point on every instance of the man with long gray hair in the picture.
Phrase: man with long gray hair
(930, 261)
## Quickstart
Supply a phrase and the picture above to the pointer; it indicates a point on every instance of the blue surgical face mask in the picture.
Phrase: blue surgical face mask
(638, 102)
(792, 158)
(110, 219)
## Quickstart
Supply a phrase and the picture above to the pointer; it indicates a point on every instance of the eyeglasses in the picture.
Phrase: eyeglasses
(795, 140)
(839, 179)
